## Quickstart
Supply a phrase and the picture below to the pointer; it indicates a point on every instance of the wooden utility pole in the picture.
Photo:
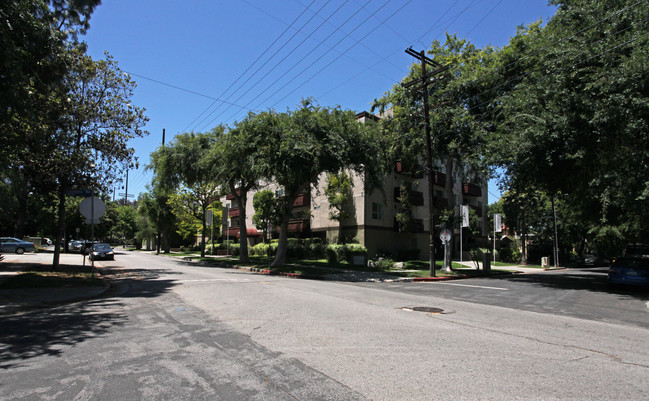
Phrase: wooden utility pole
(423, 81)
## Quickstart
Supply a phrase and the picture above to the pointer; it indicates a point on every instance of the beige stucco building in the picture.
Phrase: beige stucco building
(372, 218)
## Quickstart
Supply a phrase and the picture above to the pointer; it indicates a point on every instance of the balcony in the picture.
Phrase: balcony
(234, 232)
(469, 189)
(439, 179)
(477, 210)
(299, 225)
(234, 212)
(302, 200)
(416, 197)
(231, 196)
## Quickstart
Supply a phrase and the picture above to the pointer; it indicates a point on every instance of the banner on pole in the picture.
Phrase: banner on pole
(465, 215)
(498, 225)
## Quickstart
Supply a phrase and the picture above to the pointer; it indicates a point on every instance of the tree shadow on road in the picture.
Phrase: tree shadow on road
(594, 280)
(49, 331)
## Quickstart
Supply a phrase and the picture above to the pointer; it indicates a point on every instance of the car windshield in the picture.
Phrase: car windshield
(102, 247)
(636, 263)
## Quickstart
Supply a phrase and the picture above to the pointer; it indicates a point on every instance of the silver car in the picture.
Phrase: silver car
(10, 244)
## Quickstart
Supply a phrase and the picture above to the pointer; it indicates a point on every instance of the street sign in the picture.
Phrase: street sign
(92, 208)
(445, 235)
(79, 192)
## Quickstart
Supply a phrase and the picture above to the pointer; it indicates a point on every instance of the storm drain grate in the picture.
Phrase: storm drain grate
(427, 309)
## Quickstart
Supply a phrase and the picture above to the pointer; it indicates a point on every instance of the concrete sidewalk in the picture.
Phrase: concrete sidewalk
(26, 299)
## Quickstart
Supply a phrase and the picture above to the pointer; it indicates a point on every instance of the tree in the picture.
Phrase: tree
(88, 147)
(185, 165)
(313, 140)
(154, 204)
(238, 161)
(574, 115)
(339, 194)
(457, 122)
(264, 202)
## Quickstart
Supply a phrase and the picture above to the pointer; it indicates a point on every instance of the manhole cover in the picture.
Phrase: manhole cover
(427, 309)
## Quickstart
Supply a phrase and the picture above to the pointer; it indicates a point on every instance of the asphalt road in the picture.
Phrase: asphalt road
(176, 330)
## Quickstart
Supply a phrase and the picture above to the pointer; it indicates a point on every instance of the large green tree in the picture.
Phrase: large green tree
(185, 164)
(574, 116)
(313, 140)
(458, 117)
(237, 163)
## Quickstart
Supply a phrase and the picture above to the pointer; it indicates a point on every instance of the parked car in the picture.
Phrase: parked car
(46, 242)
(102, 251)
(629, 270)
(10, 244)
(74, 245)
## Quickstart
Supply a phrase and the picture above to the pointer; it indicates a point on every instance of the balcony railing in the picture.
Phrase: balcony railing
(471, 190)
(234, 212)
(231, 196)
(416, 197)
(302, 200)
(299, 225)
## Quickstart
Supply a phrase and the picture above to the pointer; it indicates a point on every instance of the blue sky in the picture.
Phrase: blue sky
(200, 63)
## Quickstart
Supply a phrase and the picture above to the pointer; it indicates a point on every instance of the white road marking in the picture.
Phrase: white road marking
(476, 286)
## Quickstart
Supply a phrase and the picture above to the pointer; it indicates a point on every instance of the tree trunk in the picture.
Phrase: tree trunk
(282, 246)
(204, 210)
(242, 199)
(524, 243)
(61, 231)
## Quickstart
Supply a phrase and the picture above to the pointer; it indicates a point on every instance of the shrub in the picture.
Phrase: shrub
(234, 249)
(295, 249)
(332, 253)
(510, 255)
(261, 249)
(317, 251)
(384, 264)
(352, 250)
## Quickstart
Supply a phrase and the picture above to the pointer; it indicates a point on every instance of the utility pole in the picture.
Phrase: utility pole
(423, 81)
(163, 137)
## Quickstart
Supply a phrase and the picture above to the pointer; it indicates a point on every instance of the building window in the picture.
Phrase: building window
(376, 211)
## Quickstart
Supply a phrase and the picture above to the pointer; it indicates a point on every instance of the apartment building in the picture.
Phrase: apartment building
(372, 216)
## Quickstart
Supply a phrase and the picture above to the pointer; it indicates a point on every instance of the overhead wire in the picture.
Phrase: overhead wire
(268, 60)
(337, 58)
(294, 64)
(315, 48)
(253, 63)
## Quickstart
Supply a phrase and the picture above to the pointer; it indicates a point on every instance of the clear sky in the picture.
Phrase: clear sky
(200, 63)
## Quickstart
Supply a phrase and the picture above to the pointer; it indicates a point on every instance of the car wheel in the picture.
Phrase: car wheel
(20, 251)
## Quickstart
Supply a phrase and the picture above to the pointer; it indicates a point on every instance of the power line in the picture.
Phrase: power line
(266, 62)
(314, 49)
(337, 58)
(254, 62)
(181, 89)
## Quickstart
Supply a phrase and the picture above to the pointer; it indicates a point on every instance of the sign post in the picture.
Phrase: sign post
(92, 208)
(445, 236)
(464, 215)
(497, 228)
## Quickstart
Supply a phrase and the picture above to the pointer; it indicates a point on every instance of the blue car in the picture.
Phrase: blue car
(9, 244)
(629, 271)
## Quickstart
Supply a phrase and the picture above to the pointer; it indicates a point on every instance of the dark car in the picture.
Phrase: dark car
(629, 270)
(9, 244)
(102, 251)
